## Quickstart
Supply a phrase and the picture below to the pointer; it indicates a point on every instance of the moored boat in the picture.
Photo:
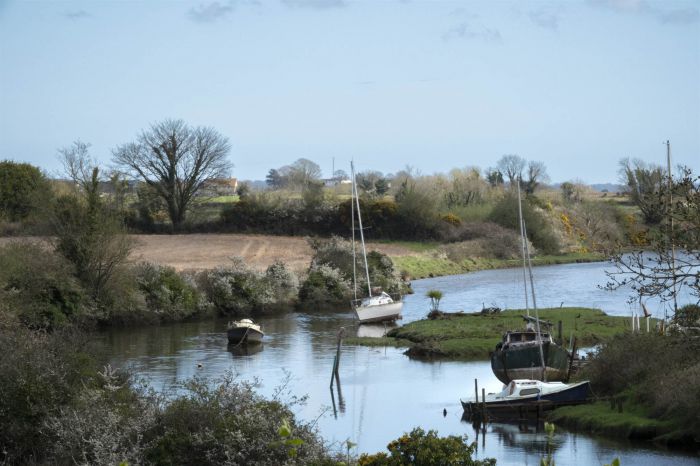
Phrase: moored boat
(244, 331)
(375, 307)
(517, 356)
(520, 394)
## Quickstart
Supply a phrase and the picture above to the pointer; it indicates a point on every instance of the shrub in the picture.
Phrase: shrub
(324, 287)
(41, 372)
(539, 231)
(168, 294)
(236, 289)
(38, 286)
(655, 370)
(420, 448)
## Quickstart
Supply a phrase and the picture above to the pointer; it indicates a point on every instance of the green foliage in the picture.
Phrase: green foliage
(41, 373)
(91, 237)
(38, 286)
(324, 287)
(170, 295)
(649, 369)
(688, 316)
(539, 231)
(435, 297)
(23, 188)
(236, 289)
(420, 448)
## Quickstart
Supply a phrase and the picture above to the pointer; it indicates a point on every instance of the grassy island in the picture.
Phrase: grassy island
(472, 336)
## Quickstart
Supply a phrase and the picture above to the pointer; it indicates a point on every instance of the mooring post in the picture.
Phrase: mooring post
(341, 333)
(483, 403)
(560, 336)
(476, 392)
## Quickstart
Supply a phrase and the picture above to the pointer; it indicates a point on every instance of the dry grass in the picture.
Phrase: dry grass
(207, 251)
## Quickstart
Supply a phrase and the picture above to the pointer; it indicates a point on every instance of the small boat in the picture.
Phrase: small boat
(524, 394)
(532, 353)
(244, 331)
(379, 307)
(517, 356)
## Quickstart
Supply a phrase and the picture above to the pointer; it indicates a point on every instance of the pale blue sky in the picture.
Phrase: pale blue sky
(431, 84)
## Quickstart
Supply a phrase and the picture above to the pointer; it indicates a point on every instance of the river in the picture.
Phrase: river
(383, 392)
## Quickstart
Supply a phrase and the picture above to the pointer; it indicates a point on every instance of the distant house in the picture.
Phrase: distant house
(218, 187)
(329, 182)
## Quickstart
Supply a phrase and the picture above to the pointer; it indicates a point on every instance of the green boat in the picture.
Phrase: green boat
(517, 356)
(530, 353)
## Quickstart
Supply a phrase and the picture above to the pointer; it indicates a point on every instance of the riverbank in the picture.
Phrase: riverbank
(472, 336)
(430, 263)
(633, 422)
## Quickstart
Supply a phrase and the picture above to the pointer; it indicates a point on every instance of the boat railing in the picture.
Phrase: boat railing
(396, 297)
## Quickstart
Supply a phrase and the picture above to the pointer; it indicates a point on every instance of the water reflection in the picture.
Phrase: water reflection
(381, 393)
(245, 350)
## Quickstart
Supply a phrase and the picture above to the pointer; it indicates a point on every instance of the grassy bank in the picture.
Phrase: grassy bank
(472, 336)
(432, 264)
(634, 422)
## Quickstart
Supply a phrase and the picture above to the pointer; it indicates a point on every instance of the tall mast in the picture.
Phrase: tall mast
(532, 289)
(352, 227)
(523, 238)
(670, 214)
(362, 234)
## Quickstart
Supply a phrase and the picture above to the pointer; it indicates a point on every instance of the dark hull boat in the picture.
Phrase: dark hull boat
(244, 331)
(523, 396)
(518, 357)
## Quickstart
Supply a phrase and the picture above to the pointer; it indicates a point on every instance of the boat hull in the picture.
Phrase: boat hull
(379, 313)
(573, 394)
(244, 334)
(523, 362)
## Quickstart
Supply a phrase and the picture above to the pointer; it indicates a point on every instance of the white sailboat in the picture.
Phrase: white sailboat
(379, 307)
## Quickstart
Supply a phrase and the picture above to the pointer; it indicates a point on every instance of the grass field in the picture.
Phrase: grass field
(472, 336)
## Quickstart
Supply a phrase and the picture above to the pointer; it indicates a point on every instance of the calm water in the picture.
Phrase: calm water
(383, 392)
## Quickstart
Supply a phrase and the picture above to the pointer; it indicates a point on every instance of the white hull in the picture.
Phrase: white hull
(379, 312)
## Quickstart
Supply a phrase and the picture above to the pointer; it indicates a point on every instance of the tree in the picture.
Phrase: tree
(511, 166)
(304, 171)
(494, 177)
(88, 234)
(644, 184)
(672, 260)
(175, 159)
(22, 188)
(536, 174)
(275, 179)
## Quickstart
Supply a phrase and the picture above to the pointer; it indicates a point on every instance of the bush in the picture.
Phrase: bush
(324, 287)
(41, 372)
(655, 370)
(171, 296)
(539, 231)
(239, 290)
(38, 286)
(420, 448)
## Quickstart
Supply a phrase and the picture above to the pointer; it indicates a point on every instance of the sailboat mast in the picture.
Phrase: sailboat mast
(532, 289)
(352, 227)
(362, 234)
(670, 214)
(523, 238)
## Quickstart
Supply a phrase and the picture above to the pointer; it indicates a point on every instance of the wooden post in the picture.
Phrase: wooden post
(476, 391)
(560, 337)
(483, 403)
(341, 333)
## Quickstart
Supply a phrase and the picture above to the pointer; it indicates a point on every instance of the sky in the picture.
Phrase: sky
(433, 85)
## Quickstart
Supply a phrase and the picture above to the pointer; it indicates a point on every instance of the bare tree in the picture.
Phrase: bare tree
(536, 174)
(175, 160)
(644, 185)
(511, 166)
